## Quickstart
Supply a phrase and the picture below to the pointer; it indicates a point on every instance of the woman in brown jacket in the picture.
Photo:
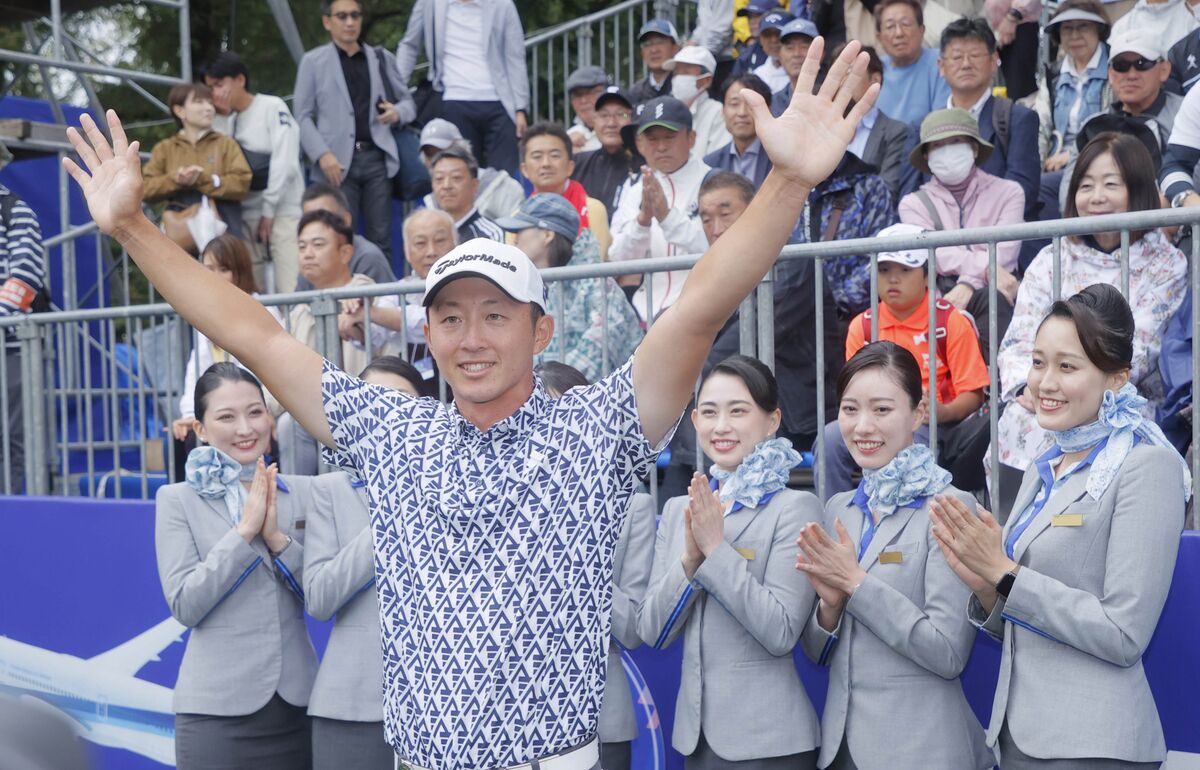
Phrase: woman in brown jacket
(197, 160)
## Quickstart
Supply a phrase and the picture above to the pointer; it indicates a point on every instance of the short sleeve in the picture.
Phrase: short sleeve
(612, 403)
(968, 371)
(855, 339)
(360, 416)
(1186, 129)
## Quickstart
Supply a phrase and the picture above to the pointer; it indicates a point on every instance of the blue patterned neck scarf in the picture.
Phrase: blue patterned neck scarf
(215, 475)
(763, 471)
(913, 473)
(1119, 420)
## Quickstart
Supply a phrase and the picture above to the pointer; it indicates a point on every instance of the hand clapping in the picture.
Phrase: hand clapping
(704, 524)
(973, 546)
(259, 499)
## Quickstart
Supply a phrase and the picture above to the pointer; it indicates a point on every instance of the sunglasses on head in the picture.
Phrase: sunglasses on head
(1141, 64)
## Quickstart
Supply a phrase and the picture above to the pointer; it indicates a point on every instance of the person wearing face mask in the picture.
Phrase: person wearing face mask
(962, 195)
(889, 622)
(597, 323)
(1114, 173)
(230, 548)
(339, 583)
(1074, 582)
(691, 76)
(722, 579)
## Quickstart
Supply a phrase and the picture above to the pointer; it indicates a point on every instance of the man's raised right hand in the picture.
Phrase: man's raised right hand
(112, 183)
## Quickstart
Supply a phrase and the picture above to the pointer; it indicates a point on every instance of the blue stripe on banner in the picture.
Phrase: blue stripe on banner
(662, 637)
(287, 574)
(824, 660)
(1027, 627)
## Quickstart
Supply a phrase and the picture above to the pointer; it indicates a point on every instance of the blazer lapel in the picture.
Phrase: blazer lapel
(873, 139)
(1025, 495)
(340, 78)
(885, 532)
(489, 11)
(1072, 489)
(439, 31)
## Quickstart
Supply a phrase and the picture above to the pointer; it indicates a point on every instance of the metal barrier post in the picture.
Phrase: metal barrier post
(583, 55)
(994, 378)
(1195, 355)
(746, 326)
(325, 311)
(766, 319)
(32, 407)
(819, 327)
(931, 345)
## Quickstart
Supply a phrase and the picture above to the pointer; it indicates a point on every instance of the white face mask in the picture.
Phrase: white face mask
(952, 163)
(684, 88)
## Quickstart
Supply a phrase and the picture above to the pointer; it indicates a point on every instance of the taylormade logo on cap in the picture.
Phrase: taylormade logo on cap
(445, 264)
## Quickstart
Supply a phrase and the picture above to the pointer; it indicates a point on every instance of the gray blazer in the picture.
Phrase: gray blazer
(898, 650)
(326, 115)
(632, 558)
(505, 45)
(339, 578)
(885, 150)
(245, 609)
(1083, 608)
(746, 634)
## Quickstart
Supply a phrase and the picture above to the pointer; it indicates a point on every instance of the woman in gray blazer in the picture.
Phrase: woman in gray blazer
(1074, 583)
(631, 571)
(741, 703)
(889, 621)
(229, 543)
(339, 580)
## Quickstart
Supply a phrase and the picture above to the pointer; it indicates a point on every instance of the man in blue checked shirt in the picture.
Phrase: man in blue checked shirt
(22, 274)
(495, 517)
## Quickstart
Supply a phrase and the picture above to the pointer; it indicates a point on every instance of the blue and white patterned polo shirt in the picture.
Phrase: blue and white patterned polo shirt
(493, 562)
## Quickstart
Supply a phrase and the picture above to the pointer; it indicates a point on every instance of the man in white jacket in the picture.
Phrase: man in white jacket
(657, 214)
(691, 75)
(263, 125)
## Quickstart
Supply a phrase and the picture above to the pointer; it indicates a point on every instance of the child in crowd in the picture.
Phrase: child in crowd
(961, 372)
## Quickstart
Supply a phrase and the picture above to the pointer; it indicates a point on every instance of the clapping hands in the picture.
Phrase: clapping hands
(704, 524)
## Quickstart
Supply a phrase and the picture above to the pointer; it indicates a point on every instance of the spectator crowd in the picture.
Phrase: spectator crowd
(989, 113)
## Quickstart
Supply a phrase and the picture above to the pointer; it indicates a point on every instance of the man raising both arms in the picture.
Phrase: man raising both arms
(495, 518)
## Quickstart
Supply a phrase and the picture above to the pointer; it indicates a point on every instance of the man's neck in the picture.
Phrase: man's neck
(487, 414)
(741, 145)
(349, 48)
(1139, 107)
(242, 101)
(658, 76)
(335, 283)
(558, 189)
(460, 214)
(968, 99)
(907, 62)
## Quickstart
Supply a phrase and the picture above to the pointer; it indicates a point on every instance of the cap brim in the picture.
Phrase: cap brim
(441, 144)
(602, 98)
(1145, 53)
(663, 123)
(1078, 14)
(515, 223)
(920, 162)
(886, 257)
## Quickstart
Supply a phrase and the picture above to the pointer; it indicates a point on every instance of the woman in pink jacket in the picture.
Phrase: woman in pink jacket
(962, 195)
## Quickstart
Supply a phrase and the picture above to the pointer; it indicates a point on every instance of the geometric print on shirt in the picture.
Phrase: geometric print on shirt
(493, 562)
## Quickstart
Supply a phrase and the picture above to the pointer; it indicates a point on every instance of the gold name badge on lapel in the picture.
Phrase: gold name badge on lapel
(746, 553)
(891, 557)
(1067, 520)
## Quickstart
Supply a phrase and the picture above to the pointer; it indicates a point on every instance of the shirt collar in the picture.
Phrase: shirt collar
(518, 423)
(976, 108)
(737, 506)
(466, 218)
(751, 151)
(1068, 64)
(869, 119)
(1045, 463)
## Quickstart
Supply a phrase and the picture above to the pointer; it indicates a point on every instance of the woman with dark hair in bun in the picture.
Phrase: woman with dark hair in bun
(889, 623)
(1074, 582)
(723, 579)
(230, 549)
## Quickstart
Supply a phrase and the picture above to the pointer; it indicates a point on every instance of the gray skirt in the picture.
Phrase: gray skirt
(703, 758)
(337, 745)
(1012, 758)
(276, 737)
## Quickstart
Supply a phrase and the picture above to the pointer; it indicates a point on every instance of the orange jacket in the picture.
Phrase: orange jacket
(216, 153)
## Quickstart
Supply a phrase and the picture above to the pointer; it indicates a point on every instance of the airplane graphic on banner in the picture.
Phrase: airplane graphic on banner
(102, 696)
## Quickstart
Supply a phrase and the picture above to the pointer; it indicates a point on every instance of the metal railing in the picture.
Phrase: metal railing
(88, 408)
(607, 38)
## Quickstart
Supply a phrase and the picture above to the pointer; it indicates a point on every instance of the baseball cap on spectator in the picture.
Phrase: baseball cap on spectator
(613, 94)
(946, 124)
(439, 133)
(1141, 41)
(758, 7)
(693, 54)
(799, 27)
(659, 27)
(907, 257)
(546, 211)
(1105, 122)
(505, 266)
(775, 20)
(665, 111)
(589, 76)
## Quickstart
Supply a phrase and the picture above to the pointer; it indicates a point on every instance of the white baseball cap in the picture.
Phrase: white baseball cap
(1143, 42)
(693, 54)
(505, 266)
(908, 257)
